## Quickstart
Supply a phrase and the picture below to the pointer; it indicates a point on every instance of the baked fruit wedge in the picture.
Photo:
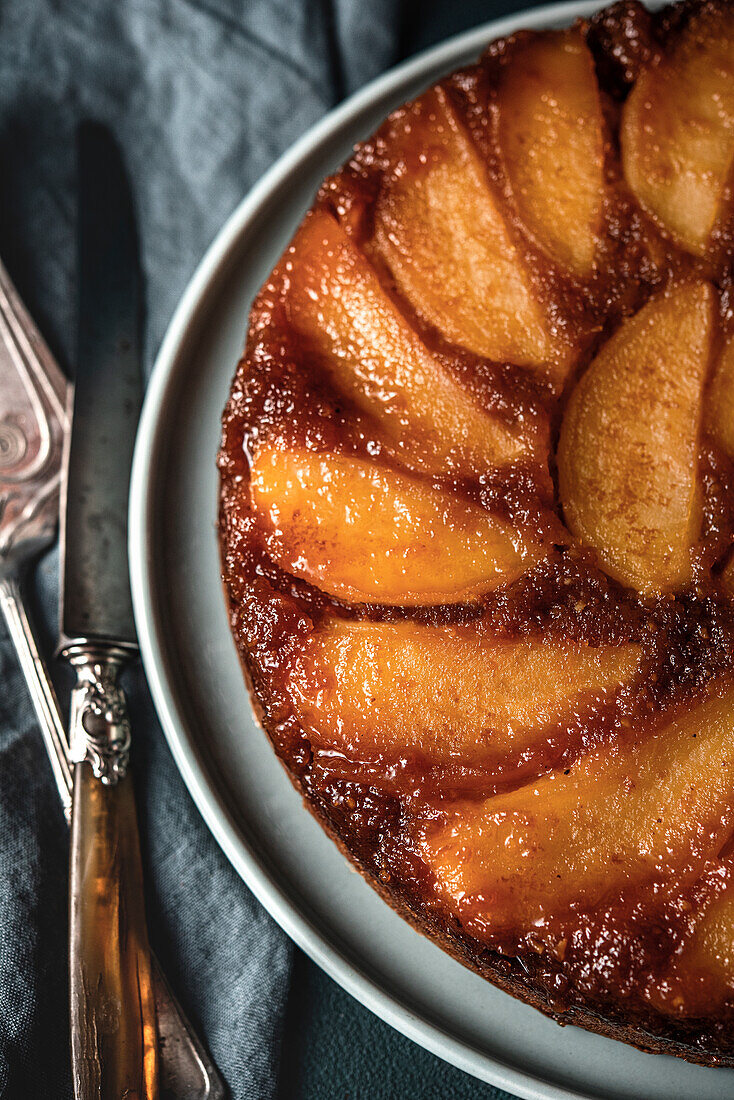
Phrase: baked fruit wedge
(720, 401)
(447, 694)
(369, 534)
(677, 130)
(441, 231)
(551, 136)
(337, 304)
(628, 453)
(629, 815)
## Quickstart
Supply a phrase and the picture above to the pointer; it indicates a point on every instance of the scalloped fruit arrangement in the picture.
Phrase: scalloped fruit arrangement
(477, 518)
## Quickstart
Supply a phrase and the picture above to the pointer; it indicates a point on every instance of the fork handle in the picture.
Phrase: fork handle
(41, 690)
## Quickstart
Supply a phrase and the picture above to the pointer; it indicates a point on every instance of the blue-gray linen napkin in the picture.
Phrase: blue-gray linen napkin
(203, 95)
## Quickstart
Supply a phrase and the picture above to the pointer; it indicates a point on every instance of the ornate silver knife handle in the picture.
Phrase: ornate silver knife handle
(99, 728)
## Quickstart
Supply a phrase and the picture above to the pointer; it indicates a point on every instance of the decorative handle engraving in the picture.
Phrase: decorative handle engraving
(33, 424)
(114, 1040)
(99, 729)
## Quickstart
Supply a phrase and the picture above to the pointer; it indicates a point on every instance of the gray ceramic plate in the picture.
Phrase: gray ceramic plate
(240, 788)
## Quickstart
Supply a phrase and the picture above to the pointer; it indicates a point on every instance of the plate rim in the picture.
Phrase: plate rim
(191, 308)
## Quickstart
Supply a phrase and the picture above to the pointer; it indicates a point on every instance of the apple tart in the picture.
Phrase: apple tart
(477, 518)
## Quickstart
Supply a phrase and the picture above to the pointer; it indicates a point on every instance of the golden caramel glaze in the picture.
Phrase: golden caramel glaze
(477, 518)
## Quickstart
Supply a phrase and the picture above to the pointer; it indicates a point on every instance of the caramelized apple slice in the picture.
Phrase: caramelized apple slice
(550, 131)
(658, 807)
(720, 403)
(677, 130)
(441, 233)
(368, 534)
(448, 693)
(628, 452)
(727, 577)
(378, 361)
(702, 974)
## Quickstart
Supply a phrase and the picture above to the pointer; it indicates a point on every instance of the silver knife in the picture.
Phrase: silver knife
(114, 1041)
(34, 424)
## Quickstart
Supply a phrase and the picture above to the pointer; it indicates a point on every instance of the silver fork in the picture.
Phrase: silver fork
(34, 425)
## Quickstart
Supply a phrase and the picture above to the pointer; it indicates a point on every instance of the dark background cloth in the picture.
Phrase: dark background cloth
(203, 95)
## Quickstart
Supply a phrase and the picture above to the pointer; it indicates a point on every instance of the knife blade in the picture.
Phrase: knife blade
(114, 1040)
(95, 598)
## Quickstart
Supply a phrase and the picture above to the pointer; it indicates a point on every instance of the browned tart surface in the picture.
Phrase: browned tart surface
(477, 518)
